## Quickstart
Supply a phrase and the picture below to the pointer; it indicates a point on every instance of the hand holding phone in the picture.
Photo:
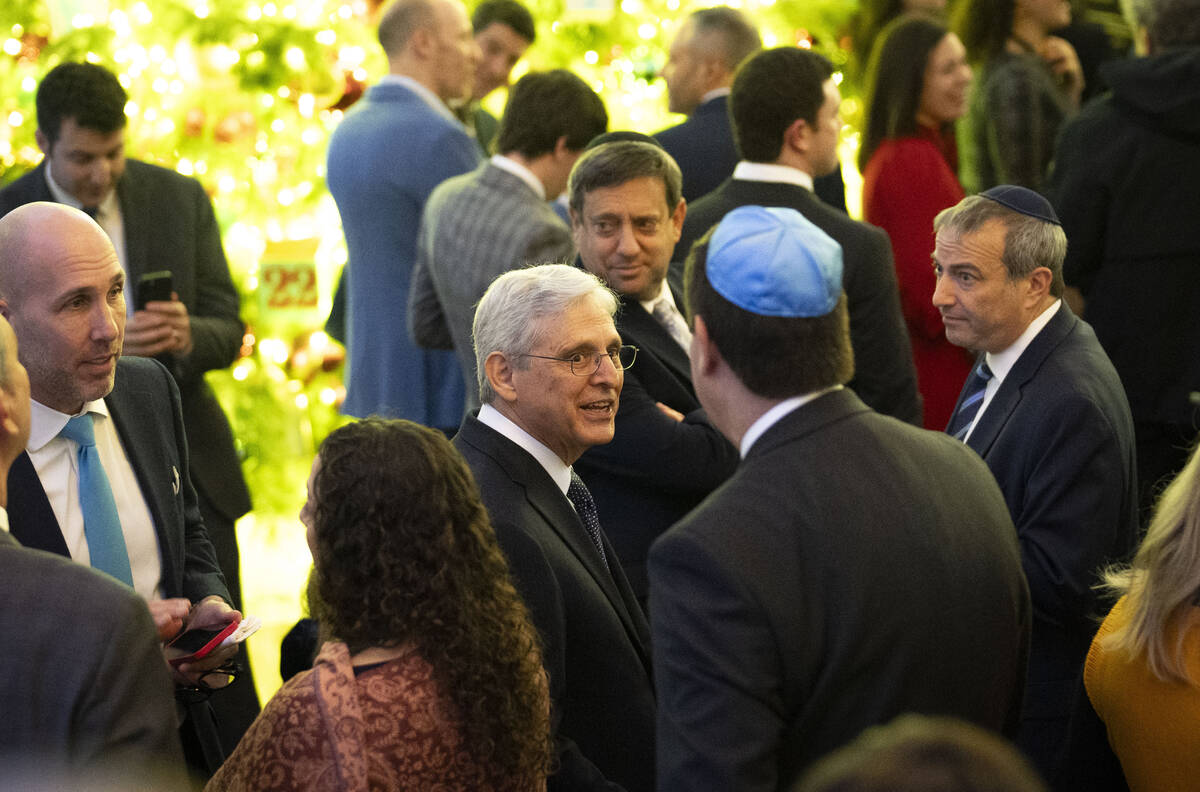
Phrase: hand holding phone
(154, 287)
(196, 644)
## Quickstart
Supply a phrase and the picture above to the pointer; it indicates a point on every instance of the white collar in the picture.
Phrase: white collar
(429, 97)
(770, 172)
(714, 94)
(46, 422)
(776, 414)
(517, 169)
(3, 519)
(1002, 362)
(106, 205)
(664, 293)
(491, 417)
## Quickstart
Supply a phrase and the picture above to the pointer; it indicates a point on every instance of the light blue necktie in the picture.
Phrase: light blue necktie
(969, 407)
(101, 524)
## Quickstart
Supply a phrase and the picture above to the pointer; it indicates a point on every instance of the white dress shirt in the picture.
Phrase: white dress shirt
(1002, 362)
(769, 172)
(56, 462)
(776, 414)
(561, 473)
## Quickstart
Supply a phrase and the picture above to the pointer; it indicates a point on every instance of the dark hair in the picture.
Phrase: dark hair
(770, 91)
(613, 164)
(86, 92)
(896, 79)
(1169, 23)
(544, 106)
(405, 554)
(921, 753)
(739, 38)
(774, 357)
(984, 26)
(506, 12)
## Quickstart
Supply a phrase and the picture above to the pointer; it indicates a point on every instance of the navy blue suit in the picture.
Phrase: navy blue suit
(1058, 437)
(385, 158)
(703, 147)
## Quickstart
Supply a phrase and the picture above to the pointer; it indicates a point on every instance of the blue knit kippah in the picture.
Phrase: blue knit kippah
(1023, 200)
(774, 262)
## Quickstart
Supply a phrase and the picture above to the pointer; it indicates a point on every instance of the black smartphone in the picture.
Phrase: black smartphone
(195, 644)
(154, 287)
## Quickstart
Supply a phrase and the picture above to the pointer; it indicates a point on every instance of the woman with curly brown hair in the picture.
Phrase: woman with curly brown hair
(433, 675)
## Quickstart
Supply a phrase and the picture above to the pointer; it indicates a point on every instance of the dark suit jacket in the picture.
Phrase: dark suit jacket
(884, 375)
(169, 224)
(704, 149)
(854, 568)
(596, 645)
(1058, 438)
(656, 469)
(85, 682)
(144, 404)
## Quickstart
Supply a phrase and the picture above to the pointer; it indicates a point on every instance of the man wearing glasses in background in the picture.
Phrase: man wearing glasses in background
(550, 369)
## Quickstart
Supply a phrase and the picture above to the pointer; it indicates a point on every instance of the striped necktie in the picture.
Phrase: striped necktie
(975, 389)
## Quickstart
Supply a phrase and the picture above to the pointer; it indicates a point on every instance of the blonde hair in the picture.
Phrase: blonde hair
(1164, 579)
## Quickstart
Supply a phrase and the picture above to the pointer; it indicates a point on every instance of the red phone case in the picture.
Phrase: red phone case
(208, 648)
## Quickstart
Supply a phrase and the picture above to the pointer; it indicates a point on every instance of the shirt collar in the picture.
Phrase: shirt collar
(427, 96)
(524, 174)
(770, 172)
(490, 416)
(663, 293)
(714, 94)
(1002, 362)
(776, 414)
(46, 422)
(3, 519)
(106, 205)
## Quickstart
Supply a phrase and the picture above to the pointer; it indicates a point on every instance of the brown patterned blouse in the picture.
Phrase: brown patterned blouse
(389, 728)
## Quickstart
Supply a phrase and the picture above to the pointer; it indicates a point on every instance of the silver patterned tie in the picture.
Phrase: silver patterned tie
(667, 315)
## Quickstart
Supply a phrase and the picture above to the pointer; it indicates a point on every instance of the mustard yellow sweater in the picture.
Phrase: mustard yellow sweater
(1153, 726)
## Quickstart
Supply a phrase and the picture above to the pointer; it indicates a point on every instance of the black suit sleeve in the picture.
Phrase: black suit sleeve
(201, 575)
(687, 457)
(535, 581)
(217, 327)
(720, 705)
(884, 375)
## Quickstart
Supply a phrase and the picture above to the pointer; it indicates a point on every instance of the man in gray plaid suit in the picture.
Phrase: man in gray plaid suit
(496, 218)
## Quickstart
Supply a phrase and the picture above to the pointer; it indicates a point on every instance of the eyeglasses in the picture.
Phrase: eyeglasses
(585, 364)
(209, 682)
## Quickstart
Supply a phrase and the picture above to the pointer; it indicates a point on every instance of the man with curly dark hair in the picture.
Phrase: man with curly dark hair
(432, 675)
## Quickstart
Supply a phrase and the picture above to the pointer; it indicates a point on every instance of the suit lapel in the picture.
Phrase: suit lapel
(1008, 395)
(31, 518)
(124, 405)
(644, 330)
(133, 218)
(545, 497)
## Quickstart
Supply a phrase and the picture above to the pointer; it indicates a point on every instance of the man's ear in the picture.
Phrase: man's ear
(704, 353)
(797, 136)
(42, 141)
(1039, 283)
(5, 310)
(677, 218)
(499, 373)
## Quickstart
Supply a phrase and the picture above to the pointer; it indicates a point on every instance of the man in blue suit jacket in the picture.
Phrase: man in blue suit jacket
(1047, 412)
(699, 70)
(384, 160)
